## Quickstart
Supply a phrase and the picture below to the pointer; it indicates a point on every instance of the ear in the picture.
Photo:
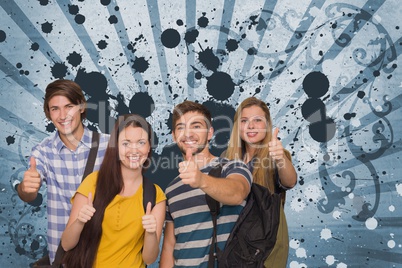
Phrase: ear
(83, 106)
(210, 133)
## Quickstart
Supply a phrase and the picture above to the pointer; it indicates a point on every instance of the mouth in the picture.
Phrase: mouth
(252, 134)
(65, 123)
(133, 158)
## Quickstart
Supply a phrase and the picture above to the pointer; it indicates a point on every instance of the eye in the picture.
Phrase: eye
(142, 143)
(243, 121)
(125, 144)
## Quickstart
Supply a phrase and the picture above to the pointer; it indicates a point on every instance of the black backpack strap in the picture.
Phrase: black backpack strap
(214, 207)
(149, 193)
(89, 167)
(92, 154)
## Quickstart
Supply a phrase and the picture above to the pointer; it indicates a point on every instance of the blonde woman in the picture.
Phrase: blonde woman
(251, 140)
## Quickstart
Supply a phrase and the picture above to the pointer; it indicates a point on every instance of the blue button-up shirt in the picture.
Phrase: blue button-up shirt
(62, 170)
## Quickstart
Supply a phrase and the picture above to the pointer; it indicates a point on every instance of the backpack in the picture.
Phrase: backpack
(254, 234)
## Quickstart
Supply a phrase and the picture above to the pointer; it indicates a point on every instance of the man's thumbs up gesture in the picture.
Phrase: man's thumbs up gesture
(275, 147)
(189, 171)
(87, 211)
(31, 181)
(149, 220)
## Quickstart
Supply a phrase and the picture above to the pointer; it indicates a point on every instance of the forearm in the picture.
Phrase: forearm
(24, 196)
(287, 173)
(231, 191)
(71, 235)
(167, 259)
(151, 248)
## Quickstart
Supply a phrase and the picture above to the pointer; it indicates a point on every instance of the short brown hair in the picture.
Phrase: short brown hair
(190, 106)
(67, 88)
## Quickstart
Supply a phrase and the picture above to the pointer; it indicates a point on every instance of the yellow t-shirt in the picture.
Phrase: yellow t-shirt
(122, 233)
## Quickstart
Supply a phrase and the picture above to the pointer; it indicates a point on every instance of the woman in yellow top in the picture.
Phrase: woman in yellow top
(114, 230)
(251, 140)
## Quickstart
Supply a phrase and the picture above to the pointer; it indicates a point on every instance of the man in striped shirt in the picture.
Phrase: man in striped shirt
(189, 228)
(60, 159)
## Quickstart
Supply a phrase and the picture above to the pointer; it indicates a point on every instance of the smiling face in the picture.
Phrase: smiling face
(253, 125)
(134, 147)
(191, 132)
(66, 117)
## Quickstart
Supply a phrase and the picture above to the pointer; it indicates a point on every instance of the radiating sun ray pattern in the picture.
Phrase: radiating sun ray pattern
(328, 70)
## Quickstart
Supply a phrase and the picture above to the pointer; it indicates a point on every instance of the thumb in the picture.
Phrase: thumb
(32, 163)
(90, 199)
(189, 154)
(275, 134)
(149, 206)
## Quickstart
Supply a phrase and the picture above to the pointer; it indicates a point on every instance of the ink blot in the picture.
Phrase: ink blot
(140, 65)
(191, 36)
(170, 38)
(47, 27)
(59, 70)
(142, 104)
(79, 19)
(220, 85)
(74, 59)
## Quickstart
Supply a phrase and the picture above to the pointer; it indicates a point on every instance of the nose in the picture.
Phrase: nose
(250, 124)
(63, 113)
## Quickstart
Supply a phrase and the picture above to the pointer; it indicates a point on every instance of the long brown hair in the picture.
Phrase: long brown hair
(109, 184)
(237, 147)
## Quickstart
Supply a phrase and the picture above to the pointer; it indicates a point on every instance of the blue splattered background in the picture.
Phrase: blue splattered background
(329, 71)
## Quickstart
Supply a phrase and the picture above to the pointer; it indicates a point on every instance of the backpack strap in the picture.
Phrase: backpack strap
(149, 193)
(88, 169)
(214, 207)
(92, 154)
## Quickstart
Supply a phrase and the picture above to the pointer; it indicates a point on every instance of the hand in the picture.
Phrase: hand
(189, 172)
(149, 220)
(87, 211)
(276, 148)
(31, 181)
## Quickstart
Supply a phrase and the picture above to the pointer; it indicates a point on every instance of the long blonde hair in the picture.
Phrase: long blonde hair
(237, 147)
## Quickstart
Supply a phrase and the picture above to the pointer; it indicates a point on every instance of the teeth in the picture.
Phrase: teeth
(189, 142)
(65, 123)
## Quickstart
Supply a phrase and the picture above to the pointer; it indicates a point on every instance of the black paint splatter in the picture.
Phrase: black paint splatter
(74, 59)
(35, 46)
(203, 21)
(43, 2)
(315, 84)
(113, 19)
(322, 127)
(140, 64)
(232, 45)
(59, 70)
(79, 19)
(220, 85)
(142, 104)
(191, 36)
(2, 36)
(47, 27)
(10, 140)
(208, 59)
(73, 9)
(170, 38)
(105, 2)
(102, 44)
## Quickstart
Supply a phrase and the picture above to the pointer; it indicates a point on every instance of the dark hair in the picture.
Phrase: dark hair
(108, 185)
(190, 106)
(67, 88)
